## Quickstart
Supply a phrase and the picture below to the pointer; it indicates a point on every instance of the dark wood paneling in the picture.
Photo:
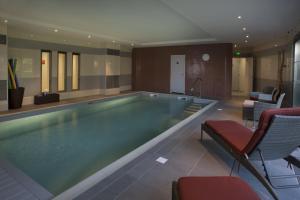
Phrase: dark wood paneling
(151, 69)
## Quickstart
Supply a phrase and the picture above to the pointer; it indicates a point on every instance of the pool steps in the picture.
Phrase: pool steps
(193, 108)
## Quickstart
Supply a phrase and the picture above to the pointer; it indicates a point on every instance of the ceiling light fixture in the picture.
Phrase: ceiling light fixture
(276, 45)
(244, 28)
(5, 21)
(113, 41)
(89, 36)
(132, 44)
(246, 41)
(239, 17)
(235, 45)
(55, 30)
(247, 36)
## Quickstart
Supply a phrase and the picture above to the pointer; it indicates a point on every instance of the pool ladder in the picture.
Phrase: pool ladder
(193, 107)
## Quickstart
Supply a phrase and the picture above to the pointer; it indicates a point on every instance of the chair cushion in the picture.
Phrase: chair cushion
(235, 134)
(215, 188)
(248, 103)
(264, 123)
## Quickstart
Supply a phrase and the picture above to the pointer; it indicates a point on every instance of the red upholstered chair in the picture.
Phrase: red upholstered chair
(277, 136)
(212, 188)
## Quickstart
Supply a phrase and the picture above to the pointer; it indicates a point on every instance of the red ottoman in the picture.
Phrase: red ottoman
(215, 188)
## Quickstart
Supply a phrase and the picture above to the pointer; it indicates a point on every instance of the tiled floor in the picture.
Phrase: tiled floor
(144, 178)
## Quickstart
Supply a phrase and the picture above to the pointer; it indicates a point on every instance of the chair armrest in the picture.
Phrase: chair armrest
(265, 97)
(255, 94)
(259, 107)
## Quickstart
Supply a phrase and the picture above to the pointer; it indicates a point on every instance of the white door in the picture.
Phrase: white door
(177, 74)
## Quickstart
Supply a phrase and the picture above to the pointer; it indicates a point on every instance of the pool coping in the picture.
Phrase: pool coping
(103, 173)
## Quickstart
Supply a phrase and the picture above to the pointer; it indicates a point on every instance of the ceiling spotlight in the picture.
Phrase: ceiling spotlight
(239, 17)
(235, 45)
(246, 41)
(89, 36)
(55, 30)
(132, 44)
(276, 45)
(113, 41)
(5, 21)
(244, 28)
(247, 36)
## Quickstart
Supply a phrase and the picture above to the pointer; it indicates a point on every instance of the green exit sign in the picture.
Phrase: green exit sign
(237, 53)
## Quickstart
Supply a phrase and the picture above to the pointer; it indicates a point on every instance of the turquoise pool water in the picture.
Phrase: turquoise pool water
(59, 149)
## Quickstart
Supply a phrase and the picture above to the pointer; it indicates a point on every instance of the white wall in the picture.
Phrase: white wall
(94, 70)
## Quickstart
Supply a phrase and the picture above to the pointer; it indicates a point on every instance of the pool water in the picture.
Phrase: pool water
(59, 149)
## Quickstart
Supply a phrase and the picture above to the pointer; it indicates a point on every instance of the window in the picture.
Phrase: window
(45, 71)
(61, 71)
(75, 71)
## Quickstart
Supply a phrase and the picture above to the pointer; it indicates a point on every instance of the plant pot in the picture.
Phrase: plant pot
(15, 97)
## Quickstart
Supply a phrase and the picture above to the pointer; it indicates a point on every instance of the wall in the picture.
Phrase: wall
(266, 66)
(151, 69)
(3, 66)
(102, 70)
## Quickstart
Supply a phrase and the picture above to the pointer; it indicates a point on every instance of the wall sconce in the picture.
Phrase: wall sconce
(205, 57)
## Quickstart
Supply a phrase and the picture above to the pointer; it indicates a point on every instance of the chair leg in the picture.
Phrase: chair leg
(239, 165)
(246, 122)
(175, 195)
(269, 177)
(233, 164)
(246, 163)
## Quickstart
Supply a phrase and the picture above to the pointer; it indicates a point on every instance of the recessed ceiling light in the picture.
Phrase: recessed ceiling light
(89, 36)
(132, 44)
(5, 21)
(239, 17)
(247, 36)
(55, 30)
(244, 28)
(246, 41)
(235, 45)
(113, 41)
(276, 45)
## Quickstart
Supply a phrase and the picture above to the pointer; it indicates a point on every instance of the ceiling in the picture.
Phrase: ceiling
(156, 22)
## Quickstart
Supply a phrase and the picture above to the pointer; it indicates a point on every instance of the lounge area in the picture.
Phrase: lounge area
(138, 100)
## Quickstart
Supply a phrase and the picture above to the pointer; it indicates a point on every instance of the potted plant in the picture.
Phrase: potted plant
(15, 93)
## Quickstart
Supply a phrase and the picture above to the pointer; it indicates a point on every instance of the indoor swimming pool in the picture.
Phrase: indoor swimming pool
(59, 149)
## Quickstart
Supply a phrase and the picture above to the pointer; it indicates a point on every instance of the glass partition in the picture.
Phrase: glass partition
(296, 91)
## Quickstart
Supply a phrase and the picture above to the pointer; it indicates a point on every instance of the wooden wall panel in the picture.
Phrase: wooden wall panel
(151, 69)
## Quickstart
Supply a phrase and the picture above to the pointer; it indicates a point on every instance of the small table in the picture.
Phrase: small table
(248, 111)
(48, 98)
